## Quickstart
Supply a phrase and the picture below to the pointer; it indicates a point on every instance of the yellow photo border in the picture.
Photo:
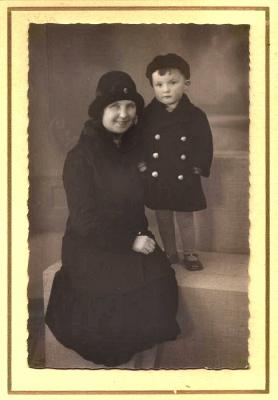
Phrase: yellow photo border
(17, 15)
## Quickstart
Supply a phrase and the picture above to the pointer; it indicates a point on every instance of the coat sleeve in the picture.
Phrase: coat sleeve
(103, 229)
(203, 145)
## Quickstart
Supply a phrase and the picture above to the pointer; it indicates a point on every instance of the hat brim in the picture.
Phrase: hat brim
(98, 105)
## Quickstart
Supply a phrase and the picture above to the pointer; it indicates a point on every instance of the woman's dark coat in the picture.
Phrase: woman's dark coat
(175, 143)
(107, 301)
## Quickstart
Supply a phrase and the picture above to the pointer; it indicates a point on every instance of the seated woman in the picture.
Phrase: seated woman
(115, 294)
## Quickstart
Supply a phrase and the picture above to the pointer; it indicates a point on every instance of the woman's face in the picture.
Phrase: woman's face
(119, 116)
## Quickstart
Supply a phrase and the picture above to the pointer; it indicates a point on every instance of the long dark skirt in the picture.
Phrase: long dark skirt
(109, 329)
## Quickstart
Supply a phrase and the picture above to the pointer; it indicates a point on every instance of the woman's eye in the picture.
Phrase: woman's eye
(114, 106)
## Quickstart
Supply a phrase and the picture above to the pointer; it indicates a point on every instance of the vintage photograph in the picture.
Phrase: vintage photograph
(138, 204)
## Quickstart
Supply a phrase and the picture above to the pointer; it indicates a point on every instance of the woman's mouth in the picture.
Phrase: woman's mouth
(122, 123)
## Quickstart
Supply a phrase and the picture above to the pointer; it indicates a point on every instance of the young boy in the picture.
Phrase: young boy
(178, 149)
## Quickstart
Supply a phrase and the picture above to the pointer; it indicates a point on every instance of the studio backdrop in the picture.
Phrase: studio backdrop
(65, 63)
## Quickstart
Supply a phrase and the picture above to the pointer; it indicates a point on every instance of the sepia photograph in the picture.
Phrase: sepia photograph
(138, 204)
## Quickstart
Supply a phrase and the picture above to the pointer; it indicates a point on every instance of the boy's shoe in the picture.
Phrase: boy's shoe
(192, 263)
(173, 259)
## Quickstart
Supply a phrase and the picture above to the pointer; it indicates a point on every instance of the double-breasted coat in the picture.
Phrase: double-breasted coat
(108, 301)
(175, 143)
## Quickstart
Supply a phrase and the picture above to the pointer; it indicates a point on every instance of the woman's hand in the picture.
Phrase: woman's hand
(143, 244)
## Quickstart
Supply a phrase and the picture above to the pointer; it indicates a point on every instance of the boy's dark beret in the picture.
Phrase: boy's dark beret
(170, 60)
(114, 86)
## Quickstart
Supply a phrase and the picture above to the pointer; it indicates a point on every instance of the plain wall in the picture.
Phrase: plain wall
(66, 62)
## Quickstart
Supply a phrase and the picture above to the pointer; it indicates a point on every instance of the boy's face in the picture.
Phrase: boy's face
(169, 88)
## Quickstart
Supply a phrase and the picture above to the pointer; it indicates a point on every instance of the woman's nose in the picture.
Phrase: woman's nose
(123, 112)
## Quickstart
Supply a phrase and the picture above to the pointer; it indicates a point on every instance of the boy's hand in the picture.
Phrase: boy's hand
(197, 170)
(143, 244)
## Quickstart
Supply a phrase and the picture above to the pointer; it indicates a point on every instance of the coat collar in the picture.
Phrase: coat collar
(94, 133)
(157, 115)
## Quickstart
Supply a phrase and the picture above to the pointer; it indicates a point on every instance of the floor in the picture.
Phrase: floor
(36, 340)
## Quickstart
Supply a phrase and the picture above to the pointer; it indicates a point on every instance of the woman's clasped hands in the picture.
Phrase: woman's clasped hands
(143, 244)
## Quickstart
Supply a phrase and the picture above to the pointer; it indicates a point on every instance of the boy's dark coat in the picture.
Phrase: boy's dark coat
(176, 142)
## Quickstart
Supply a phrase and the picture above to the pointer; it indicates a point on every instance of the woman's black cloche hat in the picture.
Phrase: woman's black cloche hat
(114, 86)
(170, 60)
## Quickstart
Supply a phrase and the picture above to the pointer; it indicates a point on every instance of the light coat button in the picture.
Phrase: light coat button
(155, 174)
(180, 177)
(183, 138)
(183, 157)
(155, 155)
(157, 136)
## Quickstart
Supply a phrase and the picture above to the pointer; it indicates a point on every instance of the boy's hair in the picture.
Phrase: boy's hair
(163, 63)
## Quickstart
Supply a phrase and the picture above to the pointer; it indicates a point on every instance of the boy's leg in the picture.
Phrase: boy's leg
(166, 226)
(185, 222)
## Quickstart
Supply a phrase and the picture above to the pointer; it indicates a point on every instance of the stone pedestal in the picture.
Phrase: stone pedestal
(213, 315)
